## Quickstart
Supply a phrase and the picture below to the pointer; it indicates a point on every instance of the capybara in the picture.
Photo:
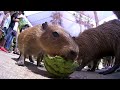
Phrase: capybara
(38, 59)
(48, 38)
(102, 41)
(15, 47)
(107, 61)
(39, 56)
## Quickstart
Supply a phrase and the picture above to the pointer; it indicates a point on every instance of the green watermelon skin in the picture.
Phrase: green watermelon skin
(58, 67)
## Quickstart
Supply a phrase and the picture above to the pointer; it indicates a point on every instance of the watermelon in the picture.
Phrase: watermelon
(58, 67)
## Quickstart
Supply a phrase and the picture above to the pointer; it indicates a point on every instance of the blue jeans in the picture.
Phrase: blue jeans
(9, 37)
(5, 31)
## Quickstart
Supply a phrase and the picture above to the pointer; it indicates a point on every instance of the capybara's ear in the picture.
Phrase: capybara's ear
(44, 25)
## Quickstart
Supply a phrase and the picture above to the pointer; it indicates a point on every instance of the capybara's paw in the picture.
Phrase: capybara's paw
(118, 70)
(106, 72)
(40, 65)
(91, 70)
(20, 63)
(32, 61)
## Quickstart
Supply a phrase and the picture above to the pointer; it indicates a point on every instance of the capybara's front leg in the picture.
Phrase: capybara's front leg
(30, 59)
(83, 63)
(21, 60)
(19, 57)
(39, 60)
(81, 66)
(94, 66)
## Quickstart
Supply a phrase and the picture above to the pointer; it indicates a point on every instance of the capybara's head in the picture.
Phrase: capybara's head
(55, 41)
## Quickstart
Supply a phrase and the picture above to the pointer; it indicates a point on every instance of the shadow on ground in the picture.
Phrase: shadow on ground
(76, 75)
(34, 68)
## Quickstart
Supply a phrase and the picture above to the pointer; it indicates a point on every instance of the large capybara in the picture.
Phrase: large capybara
(47, 38)
(95, 43)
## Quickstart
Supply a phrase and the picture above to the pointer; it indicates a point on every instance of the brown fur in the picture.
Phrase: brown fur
(42, 38)
(98, 42)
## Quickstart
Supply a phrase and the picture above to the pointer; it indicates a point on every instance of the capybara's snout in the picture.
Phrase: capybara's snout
(72, 54)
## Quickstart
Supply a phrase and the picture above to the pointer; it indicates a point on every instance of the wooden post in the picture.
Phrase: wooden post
(96, 18)
(80, 19)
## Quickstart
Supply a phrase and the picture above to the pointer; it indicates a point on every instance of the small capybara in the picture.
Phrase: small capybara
(40, 55)
(38, 59)
(107, 61)
(47, 38)
(102, 41)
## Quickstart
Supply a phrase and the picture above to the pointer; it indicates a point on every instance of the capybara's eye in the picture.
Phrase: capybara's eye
(55, 34)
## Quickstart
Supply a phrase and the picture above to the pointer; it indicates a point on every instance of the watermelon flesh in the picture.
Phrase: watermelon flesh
(58, 67)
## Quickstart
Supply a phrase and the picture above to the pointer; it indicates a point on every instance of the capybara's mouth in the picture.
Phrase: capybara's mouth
(72, 56)
(63, 57)
(67, 58)
(57, 66)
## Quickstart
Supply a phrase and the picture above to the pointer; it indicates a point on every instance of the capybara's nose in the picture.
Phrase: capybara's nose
(72, 55)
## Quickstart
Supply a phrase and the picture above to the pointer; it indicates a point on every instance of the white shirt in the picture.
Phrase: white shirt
(7, 21)
(16, 26)
(1, 16)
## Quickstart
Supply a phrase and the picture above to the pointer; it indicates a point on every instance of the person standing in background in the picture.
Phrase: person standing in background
(6, 21)
(23, 24)
(1, 17)
(12, 30)
(1, 31)
(5, 25)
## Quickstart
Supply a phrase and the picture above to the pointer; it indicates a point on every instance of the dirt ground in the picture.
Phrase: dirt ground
(10, 70)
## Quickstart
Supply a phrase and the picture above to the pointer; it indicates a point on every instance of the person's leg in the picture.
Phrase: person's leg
(1, 37)
(7, 37)
(16, 51)
(9, 41)
(5, 31)
(4, 39)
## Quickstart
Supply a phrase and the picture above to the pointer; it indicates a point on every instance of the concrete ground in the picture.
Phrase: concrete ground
(10, 70)
(94, 75)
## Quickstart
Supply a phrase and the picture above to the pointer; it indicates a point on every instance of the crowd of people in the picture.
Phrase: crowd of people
(11, 25)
